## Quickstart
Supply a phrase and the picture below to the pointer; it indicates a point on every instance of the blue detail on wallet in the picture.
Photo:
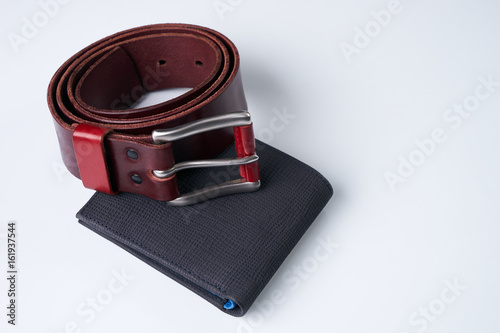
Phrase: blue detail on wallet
(229, 305)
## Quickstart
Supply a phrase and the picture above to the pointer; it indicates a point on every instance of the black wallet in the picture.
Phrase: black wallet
(225, 249)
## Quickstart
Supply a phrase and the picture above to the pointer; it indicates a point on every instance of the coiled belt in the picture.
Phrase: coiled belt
(113, 147)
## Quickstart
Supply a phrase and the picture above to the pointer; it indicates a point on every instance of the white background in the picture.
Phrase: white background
(396, 251)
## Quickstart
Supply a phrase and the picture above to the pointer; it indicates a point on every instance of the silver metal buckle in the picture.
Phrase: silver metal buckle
(240, 118)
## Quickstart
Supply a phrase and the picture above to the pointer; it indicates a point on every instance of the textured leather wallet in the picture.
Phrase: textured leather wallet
(182, 184)
(225, 249)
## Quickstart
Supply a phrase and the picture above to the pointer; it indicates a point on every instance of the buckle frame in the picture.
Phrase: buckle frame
(235, 119)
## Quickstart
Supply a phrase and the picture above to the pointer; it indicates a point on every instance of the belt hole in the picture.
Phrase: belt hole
(132, 154)
(136, 179)
(198, 63)
(162, 62)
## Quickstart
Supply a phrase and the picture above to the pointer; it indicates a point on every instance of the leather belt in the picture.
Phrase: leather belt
(113, 147)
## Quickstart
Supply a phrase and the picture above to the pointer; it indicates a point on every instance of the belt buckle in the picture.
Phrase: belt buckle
(238, 120)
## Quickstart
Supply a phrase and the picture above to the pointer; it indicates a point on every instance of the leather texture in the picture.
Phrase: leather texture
(99, 85)
(224, 249)
(88, 142)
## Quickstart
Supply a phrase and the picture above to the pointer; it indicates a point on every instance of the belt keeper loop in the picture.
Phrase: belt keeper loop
(88, 142)
(245, 146)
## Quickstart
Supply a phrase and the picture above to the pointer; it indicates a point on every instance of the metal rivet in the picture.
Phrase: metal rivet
(136, 179)
(132, 154)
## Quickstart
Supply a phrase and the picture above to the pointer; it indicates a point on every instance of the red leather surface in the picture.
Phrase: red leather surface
(99, 84)
(91, 157)
(245, 146)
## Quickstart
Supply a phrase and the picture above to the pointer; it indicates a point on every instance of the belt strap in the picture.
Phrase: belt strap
(112, 147)
(225, 250)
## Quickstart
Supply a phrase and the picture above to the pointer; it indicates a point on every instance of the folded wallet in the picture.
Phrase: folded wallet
(225, 249)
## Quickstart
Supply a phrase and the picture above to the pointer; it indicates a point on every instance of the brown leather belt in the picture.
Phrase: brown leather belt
(113, 147)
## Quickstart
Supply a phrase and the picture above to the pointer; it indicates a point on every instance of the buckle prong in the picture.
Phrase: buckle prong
(235, 119)
(205, 164)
